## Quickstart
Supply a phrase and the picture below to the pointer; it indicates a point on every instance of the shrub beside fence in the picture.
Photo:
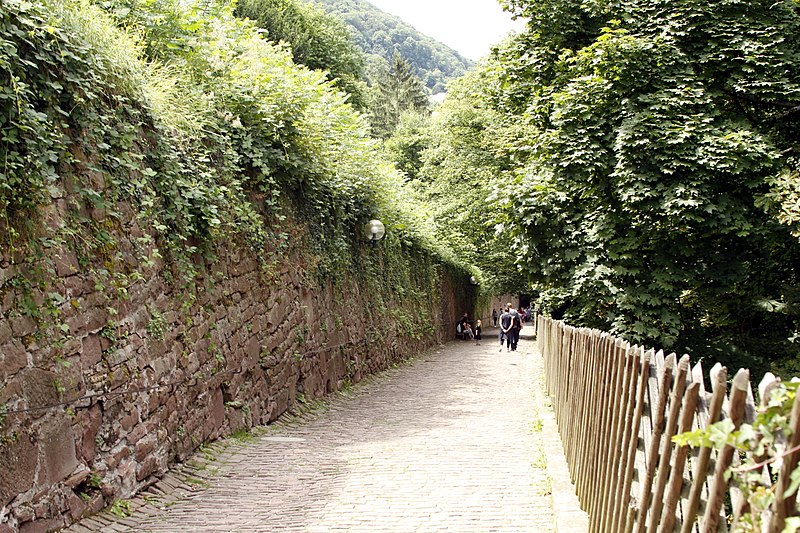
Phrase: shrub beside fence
(618, 407)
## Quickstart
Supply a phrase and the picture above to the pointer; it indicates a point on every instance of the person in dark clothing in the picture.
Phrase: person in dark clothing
(478, 328)
(464, 329)
(494, 317)
(516, 327)
(505, 327)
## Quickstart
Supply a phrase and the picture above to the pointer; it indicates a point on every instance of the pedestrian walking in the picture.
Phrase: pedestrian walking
(515, 328)
(478, 327)
(494, 318)
(505, 328)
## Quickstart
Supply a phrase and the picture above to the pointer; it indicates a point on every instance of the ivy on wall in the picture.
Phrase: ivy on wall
(210, 132)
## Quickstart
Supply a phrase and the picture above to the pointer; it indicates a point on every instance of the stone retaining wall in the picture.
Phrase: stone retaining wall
(126, 371)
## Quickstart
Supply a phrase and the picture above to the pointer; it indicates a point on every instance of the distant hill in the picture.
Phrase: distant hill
(378, 34)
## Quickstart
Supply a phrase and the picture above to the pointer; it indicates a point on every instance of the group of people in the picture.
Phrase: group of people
(465, 329)
(510, 322)
(524, 312)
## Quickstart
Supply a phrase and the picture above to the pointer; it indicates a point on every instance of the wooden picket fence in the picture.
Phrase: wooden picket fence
(618, 406)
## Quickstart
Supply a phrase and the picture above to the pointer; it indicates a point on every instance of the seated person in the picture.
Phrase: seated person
(468, 333)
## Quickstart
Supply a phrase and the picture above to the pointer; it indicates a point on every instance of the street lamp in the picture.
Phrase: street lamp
(374, 231)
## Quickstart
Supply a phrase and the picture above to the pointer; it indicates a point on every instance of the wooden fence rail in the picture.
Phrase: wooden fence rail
(618, 407)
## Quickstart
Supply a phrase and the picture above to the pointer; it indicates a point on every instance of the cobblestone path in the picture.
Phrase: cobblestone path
(451, 442)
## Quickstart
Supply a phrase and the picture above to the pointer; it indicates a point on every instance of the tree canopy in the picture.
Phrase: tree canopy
(641, 161)
(635, 164)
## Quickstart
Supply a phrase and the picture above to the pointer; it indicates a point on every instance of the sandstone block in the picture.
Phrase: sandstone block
(108, 491)
(281, 402)
(90, 422)
(118, 356)
(76, 506)
(144, 447)
(43, 509)
(17, 467)
(42, 526)
(39, 387)
(136, 435)
(218, 408)
(66, 263)
(97, 503)
(22, 326)
(7, 302)
(122, 454)
(91, 351)
(129, 420)
(13, 358)
(72, 346)
(7, 272)
(153, 402)
(146, 468)
(135, 341)
(117, 378)
(57, 452)
(89, 320)
(5, 330)
(78, 477)
(24, 513)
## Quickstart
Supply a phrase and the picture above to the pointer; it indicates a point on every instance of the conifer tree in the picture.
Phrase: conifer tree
(400, 90)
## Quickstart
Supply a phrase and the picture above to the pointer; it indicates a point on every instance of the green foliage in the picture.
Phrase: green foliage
(409, 138)
(94, 481)
(760, 443)
(783, 198)
(380, 35)
(451, 162)
(121, 508)
(157, 325)
(649, 138)
(318, 40)
(32, 96)
(256, 125)
(398, 91)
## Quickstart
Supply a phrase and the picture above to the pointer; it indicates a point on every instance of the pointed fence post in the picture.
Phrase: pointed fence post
(719, 375)
(679, 464)
(738, 396)
(652, 454)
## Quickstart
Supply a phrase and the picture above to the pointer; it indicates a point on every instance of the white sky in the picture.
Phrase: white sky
(469, 26)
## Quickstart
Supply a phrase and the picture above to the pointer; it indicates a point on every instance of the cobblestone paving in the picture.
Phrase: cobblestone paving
(448, 443)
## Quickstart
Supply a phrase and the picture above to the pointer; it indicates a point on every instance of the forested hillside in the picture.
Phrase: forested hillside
(379, 35)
